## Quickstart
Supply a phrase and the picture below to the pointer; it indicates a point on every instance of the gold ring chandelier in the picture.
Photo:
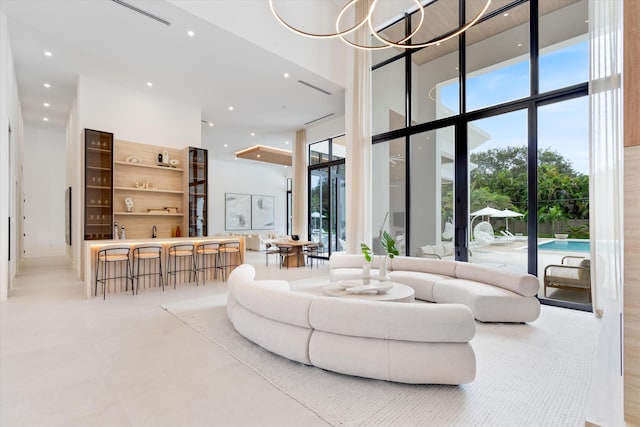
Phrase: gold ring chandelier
(367, 20)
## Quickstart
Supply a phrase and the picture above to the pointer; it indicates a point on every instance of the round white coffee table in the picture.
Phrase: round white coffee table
(399, 293)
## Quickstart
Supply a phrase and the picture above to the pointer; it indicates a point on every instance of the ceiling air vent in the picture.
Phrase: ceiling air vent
(314, 87)
(142, 12)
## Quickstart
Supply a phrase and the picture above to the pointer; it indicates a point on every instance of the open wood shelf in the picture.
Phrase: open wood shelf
(143, 165)
(149, 190)
(148, 214)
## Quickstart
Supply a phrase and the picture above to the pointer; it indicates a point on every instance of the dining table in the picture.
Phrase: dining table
(296, 259)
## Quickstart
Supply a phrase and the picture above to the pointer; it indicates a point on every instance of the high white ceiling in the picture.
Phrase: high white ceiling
(213, 69)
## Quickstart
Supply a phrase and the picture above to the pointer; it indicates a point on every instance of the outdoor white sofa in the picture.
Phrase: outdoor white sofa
(393, 341)
(492, 294)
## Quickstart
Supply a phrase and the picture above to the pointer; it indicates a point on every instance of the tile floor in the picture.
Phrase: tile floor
(66, 360)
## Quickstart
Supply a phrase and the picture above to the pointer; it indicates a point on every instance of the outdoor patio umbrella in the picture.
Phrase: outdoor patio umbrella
(506, 214)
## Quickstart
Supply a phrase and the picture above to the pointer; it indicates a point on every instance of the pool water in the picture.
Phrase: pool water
(566, 246)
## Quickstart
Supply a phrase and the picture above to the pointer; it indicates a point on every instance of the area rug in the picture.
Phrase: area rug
(527, 375)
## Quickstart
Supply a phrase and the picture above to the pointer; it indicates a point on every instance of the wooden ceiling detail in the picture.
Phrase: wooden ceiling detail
(442, 16)
(262, 153)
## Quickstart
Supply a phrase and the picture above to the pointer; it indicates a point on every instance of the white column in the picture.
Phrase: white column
(358, 133)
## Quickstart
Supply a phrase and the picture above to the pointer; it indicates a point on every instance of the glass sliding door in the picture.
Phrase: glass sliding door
(563, 201)
(337, 214)
(432, 194)
(498, 177)
(389, 192)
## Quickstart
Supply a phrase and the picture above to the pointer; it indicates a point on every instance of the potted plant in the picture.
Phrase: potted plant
(389, 245)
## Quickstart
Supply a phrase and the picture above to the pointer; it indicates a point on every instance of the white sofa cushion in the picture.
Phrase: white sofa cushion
(523, 284)
(488, 303)
(422, 283)
(281, 338)
(436, 266)
(392, 320)
(270, 298)
(390, 360)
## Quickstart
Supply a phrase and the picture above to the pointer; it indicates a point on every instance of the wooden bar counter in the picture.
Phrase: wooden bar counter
(91, 248)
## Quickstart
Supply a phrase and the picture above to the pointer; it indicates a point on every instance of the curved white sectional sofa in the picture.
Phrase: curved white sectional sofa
(492, 294)
(401, 342)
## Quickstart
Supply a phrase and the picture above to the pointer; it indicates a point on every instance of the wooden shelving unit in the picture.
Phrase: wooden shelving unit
(98, 184)
(151, 186)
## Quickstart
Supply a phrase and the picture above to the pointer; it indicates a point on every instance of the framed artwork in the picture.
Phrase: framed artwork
(237, 211)
(262, 212)
(67, 216)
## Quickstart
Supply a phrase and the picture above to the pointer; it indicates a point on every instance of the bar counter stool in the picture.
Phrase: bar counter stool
(112, 261)
(210, 251)
(228, 256)
(311, 251)
(186, 253)
(147, 254)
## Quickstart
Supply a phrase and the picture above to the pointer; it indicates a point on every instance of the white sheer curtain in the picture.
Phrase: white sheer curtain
(607, 173)
(358, 121)
(299, 214)
(606, 207)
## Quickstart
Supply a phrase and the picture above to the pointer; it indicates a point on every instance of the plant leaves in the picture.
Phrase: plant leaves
(366, 251)
(389, 245)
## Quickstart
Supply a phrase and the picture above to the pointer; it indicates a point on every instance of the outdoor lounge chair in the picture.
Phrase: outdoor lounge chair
(483, 234)
(574, 273)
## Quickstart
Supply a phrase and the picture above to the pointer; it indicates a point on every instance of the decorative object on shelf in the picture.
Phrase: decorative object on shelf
(128, 202)
(171, 209)
(174, 162)
(178, 233)
(389, 245)
(134, 159)
(154, 232)
(165, 157)
(142, 184)
(115, 231)
(159, 157)
(407, 42)
(123, 236)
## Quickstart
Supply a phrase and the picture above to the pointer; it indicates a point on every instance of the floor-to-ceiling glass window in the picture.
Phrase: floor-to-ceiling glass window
(432, 193)
(388, 196)
(563, 200)
(477, 119)
(498, 196)
(327, 219)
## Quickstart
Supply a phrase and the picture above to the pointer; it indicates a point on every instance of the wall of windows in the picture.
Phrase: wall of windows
(481, 121)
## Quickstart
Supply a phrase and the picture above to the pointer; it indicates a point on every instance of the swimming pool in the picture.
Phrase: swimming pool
(566, 246)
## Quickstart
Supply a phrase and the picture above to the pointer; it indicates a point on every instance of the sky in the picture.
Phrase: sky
(563, 127)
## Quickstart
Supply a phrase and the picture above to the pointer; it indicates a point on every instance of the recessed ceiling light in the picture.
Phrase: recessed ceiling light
(191, 33)
(226, 145)
(46, 104)
(231, 108)
(47, 85)
(258, 156)
(286, 142)
(438, 44)
(47, 53)
(46, 119)
(506, 14)
(586, 22)
(149, 84)
(286, 75)
(519, 44)
(253, 134)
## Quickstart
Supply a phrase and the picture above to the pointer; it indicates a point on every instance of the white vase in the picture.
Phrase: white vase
(366, 270)
(382, 270)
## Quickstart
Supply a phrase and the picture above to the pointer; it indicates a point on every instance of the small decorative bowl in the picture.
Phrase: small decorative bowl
(174, 162)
